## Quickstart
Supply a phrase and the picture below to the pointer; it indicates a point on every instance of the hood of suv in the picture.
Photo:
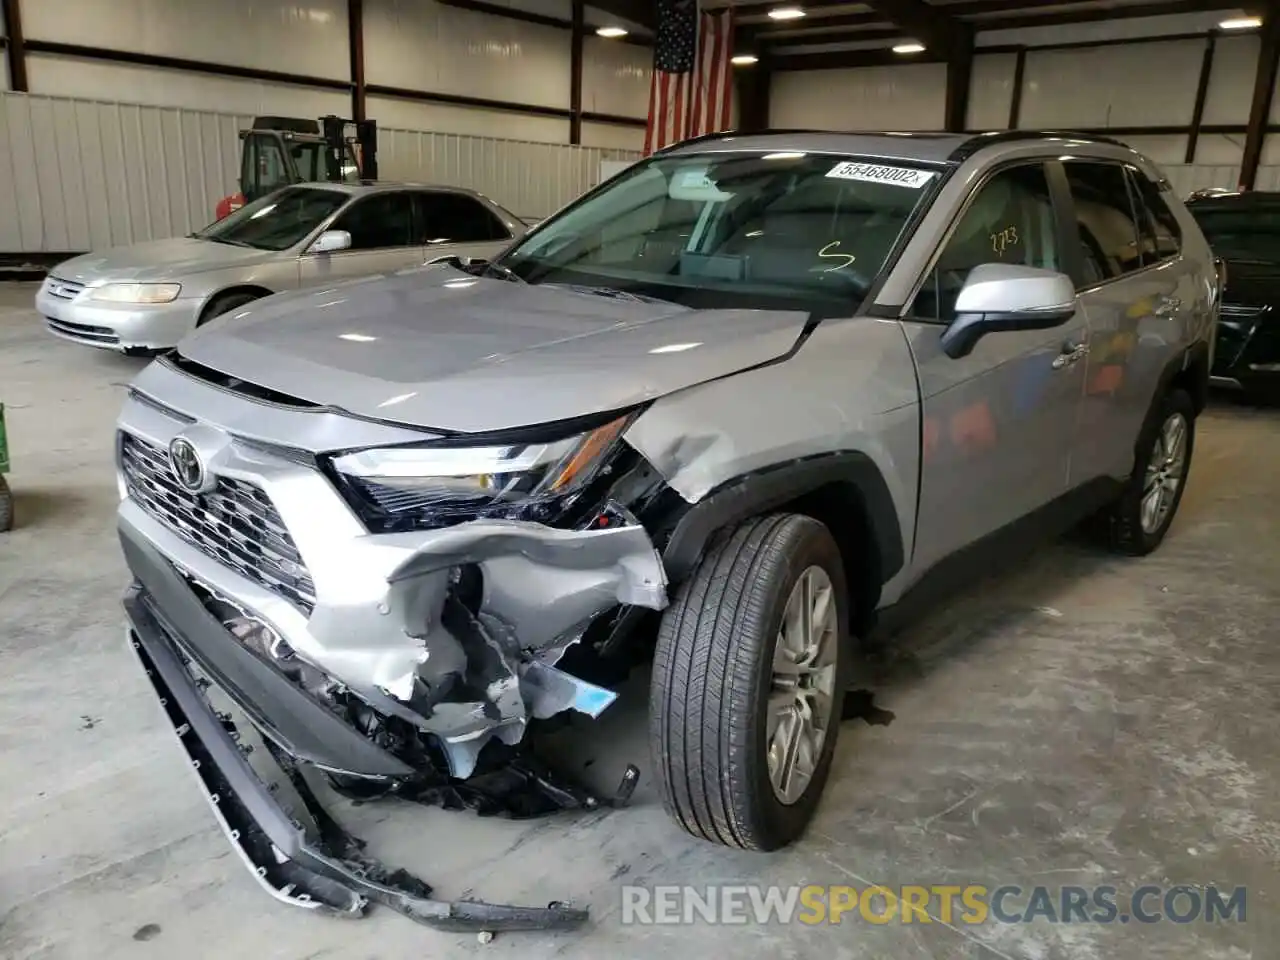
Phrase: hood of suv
(439, 348)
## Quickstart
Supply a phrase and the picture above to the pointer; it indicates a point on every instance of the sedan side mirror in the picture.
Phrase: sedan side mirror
(999, 297)
(454, 260)
(331, 241)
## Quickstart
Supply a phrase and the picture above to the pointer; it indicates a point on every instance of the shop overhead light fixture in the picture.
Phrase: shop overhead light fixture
(911, 47)
(611, 33)
(1240, 23)
(786, 13)
(744, 60)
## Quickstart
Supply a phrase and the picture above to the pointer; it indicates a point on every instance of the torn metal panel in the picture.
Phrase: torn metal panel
(318, 866)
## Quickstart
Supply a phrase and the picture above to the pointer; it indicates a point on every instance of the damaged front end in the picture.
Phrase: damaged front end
(393, 618)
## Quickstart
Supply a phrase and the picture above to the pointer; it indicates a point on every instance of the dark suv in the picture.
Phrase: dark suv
(1244, 231)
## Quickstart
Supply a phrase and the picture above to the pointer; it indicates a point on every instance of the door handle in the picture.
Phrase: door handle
(1071, 352)
(1168, 306)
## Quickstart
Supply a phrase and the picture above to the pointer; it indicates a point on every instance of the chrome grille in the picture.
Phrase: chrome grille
(1236, 311)
(63, 289)
(235, 524)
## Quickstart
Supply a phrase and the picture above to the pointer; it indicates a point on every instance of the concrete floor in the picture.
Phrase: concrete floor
(1088, 720)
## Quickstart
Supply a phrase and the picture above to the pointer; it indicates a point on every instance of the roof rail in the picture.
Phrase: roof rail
(980, 140)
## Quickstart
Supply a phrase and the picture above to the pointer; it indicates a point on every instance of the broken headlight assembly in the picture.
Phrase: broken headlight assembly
(444, 482)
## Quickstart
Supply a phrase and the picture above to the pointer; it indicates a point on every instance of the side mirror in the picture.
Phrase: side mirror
(331, 241)
(454, 260)
(999, 297)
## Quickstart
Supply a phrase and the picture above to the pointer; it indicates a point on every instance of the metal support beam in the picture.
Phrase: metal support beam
(1202, 94)
(959, 78)
(1015, 98)
(928, 25)
(1264, 82)
(11, 13)
(577, 43)
(355, 42)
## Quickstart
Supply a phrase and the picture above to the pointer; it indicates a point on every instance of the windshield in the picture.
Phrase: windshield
(1241, 233)
(276, 221)
(309, 161)
(779, 230)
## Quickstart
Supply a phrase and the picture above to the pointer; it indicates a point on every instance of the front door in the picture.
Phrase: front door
(998, 423)
(382, 240)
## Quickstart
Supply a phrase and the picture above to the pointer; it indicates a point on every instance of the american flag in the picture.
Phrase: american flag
(692, 88)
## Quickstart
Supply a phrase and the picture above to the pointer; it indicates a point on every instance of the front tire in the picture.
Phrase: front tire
(748, 678)
(1138, 521)
(225, 303)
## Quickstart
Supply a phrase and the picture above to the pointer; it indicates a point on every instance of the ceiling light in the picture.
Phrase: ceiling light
(611, 33)
(1240, 23)
(911, 47)
(744, 60)
(786, 13)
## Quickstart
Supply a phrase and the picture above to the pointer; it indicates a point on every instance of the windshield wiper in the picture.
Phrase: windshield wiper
(611, 292)
(232, 243)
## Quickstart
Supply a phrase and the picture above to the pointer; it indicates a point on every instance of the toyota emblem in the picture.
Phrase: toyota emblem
(185, 462)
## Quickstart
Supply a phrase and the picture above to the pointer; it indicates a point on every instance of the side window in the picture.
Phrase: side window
(1010, 220)
(456, 218)
(1104, 220)
(378, 222)
(1161, 235)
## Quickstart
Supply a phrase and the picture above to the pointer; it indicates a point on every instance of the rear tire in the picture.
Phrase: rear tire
(717, 688)
(225, 303)
(1138, 521)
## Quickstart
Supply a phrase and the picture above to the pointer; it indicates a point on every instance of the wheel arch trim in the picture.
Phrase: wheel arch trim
(760, 491)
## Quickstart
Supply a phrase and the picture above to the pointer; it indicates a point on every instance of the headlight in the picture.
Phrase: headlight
(431, 485)
(137, 292)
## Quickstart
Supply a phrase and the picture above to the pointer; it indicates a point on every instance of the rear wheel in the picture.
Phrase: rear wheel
(225, 303)
(748, 676)
(1138, 521)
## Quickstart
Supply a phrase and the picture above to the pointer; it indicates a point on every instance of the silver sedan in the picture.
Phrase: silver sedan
(147, 297)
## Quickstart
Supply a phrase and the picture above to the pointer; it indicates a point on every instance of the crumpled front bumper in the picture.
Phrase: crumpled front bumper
(382, 620)
(318, 867)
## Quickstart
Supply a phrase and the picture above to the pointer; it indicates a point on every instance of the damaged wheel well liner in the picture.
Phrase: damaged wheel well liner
(845, 491)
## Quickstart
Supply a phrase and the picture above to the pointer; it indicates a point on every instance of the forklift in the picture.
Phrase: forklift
(278, 151)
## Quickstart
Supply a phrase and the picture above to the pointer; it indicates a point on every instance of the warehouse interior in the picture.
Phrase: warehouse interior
(1075, 721)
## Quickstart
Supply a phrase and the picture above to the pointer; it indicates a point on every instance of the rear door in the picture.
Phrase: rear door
(382, 240)
(1133, 285)
(457, 224)
(997, 424)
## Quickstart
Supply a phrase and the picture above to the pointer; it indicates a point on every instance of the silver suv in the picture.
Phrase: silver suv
(748, 401)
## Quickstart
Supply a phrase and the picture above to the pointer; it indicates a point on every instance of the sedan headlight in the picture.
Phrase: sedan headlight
(137, 292)
(435, 484)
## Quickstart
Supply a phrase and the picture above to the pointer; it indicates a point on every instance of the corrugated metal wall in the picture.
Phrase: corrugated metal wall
(84, 174)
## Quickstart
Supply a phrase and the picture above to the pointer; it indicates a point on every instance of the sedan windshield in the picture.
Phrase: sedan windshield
(276, 221)
(754, 230)
(1241, 232)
